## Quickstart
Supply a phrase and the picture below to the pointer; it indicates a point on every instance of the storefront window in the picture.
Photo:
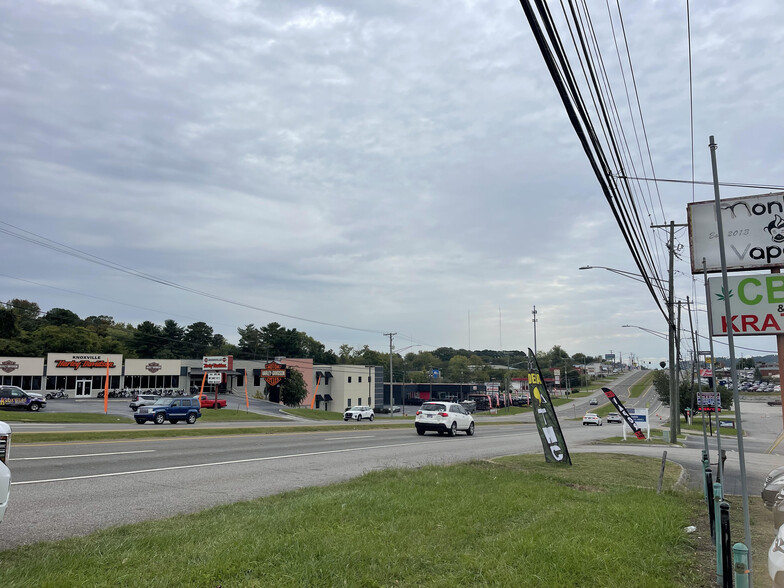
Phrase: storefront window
(36, 383)
(70, 382)
(51, 383)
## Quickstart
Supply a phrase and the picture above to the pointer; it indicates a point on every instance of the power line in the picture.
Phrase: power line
(41, 241)
(728, 184)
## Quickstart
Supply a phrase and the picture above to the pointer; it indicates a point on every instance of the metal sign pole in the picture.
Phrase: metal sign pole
(733, 367)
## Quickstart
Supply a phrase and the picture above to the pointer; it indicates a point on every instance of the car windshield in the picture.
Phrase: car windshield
(434, 407)
(163, 401)
(357, 408)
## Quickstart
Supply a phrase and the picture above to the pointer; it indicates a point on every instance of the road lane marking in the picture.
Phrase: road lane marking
(81, 455)
(238, 461)
(349, 438)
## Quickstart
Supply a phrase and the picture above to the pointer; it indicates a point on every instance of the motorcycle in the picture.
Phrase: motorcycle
(59, 394)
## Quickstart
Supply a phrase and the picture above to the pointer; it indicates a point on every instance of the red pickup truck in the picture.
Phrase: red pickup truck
(211, 402)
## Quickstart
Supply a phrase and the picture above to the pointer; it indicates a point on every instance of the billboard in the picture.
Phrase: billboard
(753, 233)
(756, 305)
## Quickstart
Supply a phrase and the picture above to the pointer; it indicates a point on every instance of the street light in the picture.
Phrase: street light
(658, 334)
(630, 275)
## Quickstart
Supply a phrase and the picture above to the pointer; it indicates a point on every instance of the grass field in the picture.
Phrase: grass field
(514, 521)
(636, 389)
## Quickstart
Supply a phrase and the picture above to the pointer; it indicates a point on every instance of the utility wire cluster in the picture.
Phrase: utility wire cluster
(587, 95)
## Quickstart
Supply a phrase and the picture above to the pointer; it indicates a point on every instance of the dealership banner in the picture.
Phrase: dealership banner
(753, 229)
(616, 402)
(756, 305)
(550, 433)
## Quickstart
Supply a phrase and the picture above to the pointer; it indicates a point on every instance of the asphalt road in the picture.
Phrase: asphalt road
(62, 490)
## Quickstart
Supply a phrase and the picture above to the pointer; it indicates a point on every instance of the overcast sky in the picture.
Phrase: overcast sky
(385, 166)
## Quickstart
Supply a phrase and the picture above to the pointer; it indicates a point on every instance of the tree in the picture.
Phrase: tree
(344, 353)
(99, 324)
(27, 314)
(147, 340)
(250, 342)
(198, 337)
(60, 317)
(458, 368)
(51, 339)
(173, 340)
(687, 392)
(293, 389)
(8, 328)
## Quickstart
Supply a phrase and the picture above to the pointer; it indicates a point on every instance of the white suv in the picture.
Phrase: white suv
(143, 400)
(443, 417)
(5, 473)
(358, 413)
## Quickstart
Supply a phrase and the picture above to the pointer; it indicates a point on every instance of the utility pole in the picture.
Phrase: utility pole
(673, 333)
(678, 374)
(391, 377)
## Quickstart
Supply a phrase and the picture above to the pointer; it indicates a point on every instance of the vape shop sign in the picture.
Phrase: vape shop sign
(756, 305)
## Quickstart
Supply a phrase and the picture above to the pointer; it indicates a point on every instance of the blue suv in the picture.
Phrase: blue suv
(169, 409)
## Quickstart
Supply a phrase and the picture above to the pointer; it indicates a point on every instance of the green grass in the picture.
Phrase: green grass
(228, 415)
(208, 415)
(636, 389)
(511, 522)
(318, 415)
(167, 430)
(24, 416)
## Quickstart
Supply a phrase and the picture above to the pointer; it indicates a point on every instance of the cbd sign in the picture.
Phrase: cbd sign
(273, 373)
(756, 305)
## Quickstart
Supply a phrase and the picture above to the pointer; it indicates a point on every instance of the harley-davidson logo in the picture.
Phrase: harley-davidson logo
(9, 366)
(273, 373)
(153, 367)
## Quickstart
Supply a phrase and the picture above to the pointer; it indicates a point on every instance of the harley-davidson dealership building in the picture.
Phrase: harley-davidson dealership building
(83, 375)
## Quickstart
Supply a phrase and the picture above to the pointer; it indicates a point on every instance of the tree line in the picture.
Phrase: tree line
(27, 331)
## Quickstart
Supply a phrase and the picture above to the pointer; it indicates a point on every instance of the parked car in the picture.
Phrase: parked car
(212, 402)
(593, 402)
(614, 417)
(773, 483)
(169, 409)
(443, 417)
(592, 419)
(15, 397)
(357, 413)
(5, 473)
(776, 559)
(143, 400)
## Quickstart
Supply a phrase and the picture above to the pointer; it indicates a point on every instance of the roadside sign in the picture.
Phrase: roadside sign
(216, 362)
(756, 305)
(753, 233)
(213, 377)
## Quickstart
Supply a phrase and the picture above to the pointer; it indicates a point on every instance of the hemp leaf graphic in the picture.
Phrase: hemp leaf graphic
(722, 296)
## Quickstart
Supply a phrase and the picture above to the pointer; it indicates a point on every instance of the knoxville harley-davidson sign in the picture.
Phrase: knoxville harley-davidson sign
(273, 373)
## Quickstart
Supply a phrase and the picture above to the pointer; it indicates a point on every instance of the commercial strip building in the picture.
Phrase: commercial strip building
(83, 375)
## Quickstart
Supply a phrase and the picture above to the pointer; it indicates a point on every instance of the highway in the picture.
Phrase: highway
(68, 489)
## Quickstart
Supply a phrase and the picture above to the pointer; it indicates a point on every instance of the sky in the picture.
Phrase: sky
(351, 169)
